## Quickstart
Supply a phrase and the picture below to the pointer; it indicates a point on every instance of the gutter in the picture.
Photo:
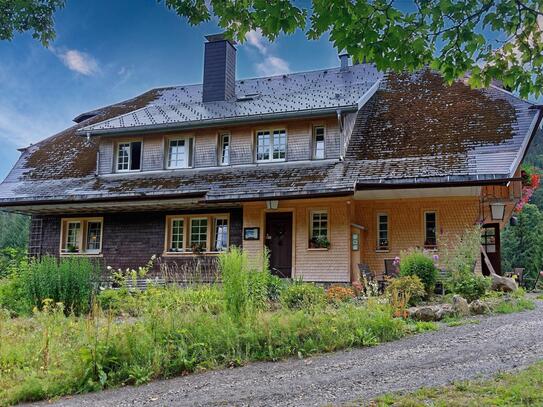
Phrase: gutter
(535, 129)
(382, 184)
(199, 124)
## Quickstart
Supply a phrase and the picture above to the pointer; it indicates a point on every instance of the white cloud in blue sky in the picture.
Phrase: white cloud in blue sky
(107, 51)
(77, 61)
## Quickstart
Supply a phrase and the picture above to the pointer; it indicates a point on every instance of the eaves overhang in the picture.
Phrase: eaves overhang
(199, 124)
(435, 182)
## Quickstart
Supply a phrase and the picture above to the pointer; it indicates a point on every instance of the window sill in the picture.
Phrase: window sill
(431, 248)
(382, 250)
(190, 254)
(81, 254)
(318, 249)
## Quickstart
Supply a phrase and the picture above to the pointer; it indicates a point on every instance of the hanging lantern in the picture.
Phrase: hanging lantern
(497, 210)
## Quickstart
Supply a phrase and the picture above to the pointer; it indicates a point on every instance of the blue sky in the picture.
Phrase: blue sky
(106, 51)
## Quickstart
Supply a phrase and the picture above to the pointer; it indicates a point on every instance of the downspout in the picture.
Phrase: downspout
(339, 114)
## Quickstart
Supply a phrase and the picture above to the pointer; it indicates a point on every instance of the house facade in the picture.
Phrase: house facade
(328, 169)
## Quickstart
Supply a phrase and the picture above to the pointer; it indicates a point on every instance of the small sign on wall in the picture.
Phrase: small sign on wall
(251, 233)
(355, 242)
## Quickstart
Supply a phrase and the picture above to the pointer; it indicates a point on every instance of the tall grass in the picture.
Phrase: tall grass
(52, 355)
(71, 281)
(245, 289)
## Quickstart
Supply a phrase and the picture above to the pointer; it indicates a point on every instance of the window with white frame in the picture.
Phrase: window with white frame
(271, 145)
(430, 229)
(220, 237)
(318, 230)
(224, 152)
(178, 235)
(81, 236)
(179, 153)
(197, 233)
(318, 142)
(129, 156)
(382, 231)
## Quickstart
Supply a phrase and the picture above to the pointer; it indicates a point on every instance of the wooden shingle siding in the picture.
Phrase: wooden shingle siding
(406, 225)
(299, 141)
(130, 239)
(153, 153)
(332, 139)
(106, 151)
(242, 144)
(205, 149)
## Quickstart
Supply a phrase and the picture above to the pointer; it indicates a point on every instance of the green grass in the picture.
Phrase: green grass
(513, 305)
(51, 354)
(514, 389)
(458, 321)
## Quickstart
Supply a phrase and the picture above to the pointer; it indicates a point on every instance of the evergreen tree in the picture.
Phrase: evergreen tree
(522, 245)
(13, 230)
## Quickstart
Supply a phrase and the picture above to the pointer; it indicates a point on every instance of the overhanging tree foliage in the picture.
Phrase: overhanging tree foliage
(490, 39)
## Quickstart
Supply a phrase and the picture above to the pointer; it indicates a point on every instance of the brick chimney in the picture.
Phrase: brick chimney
(219, 69)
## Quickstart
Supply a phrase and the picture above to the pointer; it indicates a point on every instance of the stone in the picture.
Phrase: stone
(430, 312)
(505, 284)
(479, 307)
(460, 305)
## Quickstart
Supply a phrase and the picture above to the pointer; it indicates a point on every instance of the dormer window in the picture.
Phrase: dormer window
(318, 142)
(129, 156)
(179, 153)
(224, 149)
(271, 145)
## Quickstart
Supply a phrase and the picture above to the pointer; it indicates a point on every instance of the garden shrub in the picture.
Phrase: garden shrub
(12, 296)
(71, 281)
(339, 293)
(300, 295)
(469, 285)
(10, 259)
(417, 263)
(276, 285)
(403, 291)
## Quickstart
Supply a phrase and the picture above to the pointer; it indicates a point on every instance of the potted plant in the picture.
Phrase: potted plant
(319, 242)
(198, 248)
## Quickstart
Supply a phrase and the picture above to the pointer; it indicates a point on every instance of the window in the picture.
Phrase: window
(318, 231)
(221, 234)
(81, 236)
(179, 153)
(178, 235)
(129, 156)
(382, 231)
(224, 157)
(197, 233)
(430, 229)
(318, 142)
(271, 146)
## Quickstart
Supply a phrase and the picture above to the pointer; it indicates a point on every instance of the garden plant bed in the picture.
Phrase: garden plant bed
(352, 377)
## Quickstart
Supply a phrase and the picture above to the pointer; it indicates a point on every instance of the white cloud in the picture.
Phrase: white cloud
(78, 61)
(272, 65)
(256, 39)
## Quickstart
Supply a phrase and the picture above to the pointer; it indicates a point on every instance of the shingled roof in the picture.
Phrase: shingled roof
(413, 130)
(291, 95)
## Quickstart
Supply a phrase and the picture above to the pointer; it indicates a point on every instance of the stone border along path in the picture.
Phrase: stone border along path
(497, 343)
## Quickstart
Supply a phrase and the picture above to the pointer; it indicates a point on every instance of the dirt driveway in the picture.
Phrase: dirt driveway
(497, 343)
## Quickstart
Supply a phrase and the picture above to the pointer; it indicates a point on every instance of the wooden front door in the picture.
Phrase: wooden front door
(279, 243)
(490, 240)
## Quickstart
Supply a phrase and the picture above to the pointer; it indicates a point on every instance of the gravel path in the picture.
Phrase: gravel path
(497, 343)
